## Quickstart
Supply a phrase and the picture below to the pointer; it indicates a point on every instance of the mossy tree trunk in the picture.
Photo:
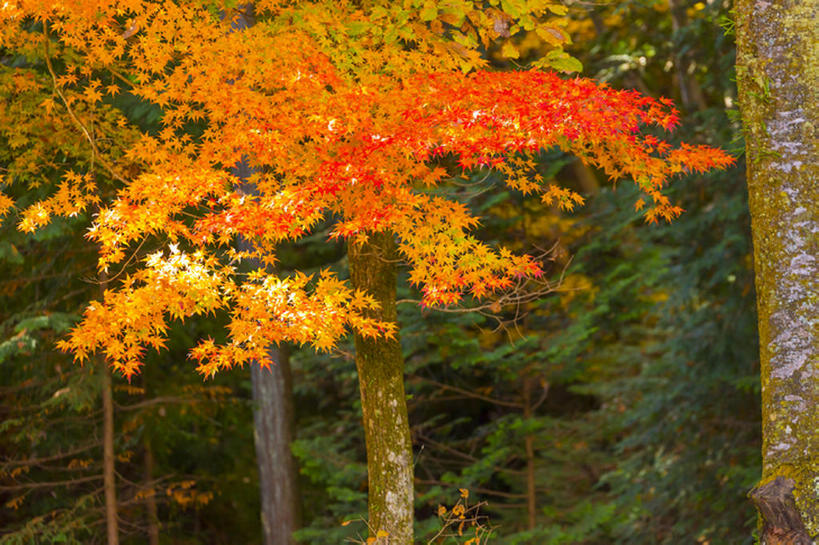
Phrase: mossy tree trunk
(778, 77)
(381, 381)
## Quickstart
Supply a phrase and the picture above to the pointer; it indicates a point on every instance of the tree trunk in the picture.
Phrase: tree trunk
(529, 440)
(151, 512)
(109, 482)
(586, 178)
(272, 425)
(778, 77)
(690, 90)
(383, 403)
(273, 402)
(272, 417)
(108, 477)
(272, 434)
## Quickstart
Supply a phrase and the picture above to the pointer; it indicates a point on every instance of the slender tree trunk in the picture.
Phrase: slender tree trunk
(108, 477)
(690, 90)
(151, 512)
(778, 77)
(383, 402)
(273, 404)
(272, 417)
(272, 425)
(531, 491)
(585, 177)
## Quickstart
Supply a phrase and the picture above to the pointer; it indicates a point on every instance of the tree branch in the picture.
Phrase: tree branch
(467, 393)
(50, 484)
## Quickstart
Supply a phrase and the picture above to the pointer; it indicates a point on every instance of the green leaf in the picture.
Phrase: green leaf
(515, 8)
(58, 321)
(552, 35)
(510, 51)
(10, 253)
(378, 12)
(357, 27)
(561, 61)
(430, 12)
(558, 9)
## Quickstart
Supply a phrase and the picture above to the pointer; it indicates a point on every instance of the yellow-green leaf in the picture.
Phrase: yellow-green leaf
(510, 51)
(558, 9)
(429, 12)
(552, 35)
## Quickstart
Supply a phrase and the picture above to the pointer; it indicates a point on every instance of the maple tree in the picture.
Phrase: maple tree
(348, 111)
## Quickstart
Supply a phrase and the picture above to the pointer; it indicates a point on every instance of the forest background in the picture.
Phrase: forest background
(622, 408)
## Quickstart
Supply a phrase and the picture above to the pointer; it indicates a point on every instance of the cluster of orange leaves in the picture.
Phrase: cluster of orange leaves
(336, 120)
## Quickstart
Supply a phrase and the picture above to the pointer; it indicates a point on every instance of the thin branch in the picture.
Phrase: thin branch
(120, 77)
(468, 393)
(71, 482)
(525, 291)
(476, 489)
(155, 401)
(90, 467)
(128, 262)
(542, 397)
(83, 128)
(463, 455)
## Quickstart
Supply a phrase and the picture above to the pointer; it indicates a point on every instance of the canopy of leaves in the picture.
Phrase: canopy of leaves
(339, 120)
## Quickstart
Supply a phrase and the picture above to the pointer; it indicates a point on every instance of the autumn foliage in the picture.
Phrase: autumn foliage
(338, 120)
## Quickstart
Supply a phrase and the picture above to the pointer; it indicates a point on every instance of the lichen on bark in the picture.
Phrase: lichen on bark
(380, 366)
(778, 79)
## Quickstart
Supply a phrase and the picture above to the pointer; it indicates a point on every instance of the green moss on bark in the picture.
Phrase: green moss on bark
(380, 367)
(778, 77)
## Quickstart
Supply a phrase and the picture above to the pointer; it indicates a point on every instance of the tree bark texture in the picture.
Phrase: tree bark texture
(778, 77)
(272, 417)
(782, 522)
(108, 476)
(380, 367)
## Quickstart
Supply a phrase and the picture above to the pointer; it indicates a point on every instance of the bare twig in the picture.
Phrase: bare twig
(70, 482)
(94, 151)
(467, 393)
(58, 456)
